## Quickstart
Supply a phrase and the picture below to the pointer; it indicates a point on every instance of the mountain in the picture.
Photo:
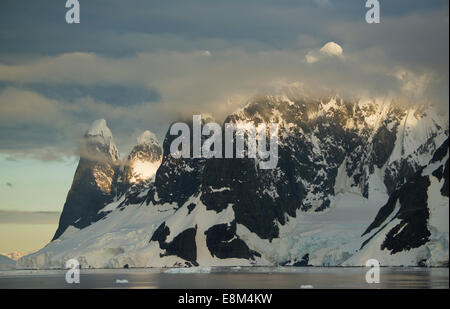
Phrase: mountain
(6, 263)
(339, 162)
(92, 186)
(412, 227)
(142, 162)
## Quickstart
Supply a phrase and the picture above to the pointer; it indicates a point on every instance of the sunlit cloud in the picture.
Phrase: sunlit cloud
(329, 50)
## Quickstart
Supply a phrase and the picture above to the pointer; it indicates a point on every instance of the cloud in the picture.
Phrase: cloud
(206, 53)
(116, 28)
(323, 3)
(413, 84)
(156, 62)
(8, 184)
(29, 217)
(329, 50)
(35, 120)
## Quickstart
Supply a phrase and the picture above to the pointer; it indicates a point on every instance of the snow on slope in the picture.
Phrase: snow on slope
(318, 234)
(113, 242)
(122, 238)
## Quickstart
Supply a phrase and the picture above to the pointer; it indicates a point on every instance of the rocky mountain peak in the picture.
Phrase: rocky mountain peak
(93, 185)
(143, 161)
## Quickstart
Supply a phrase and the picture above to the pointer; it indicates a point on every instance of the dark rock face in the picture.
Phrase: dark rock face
(177, 179)
(222, 242)
(191, 207)
(253, 206)
(383, 144)
(442, 171)
(398, 173)
(303, 262)
(445, 186)
(85, 197)
(161, 233)
(412, 232)
(183, 245)
(441, 152)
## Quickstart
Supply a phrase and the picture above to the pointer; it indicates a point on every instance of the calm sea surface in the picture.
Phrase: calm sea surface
(229, 278)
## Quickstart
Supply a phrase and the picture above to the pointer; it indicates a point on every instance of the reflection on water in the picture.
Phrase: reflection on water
(233, 278)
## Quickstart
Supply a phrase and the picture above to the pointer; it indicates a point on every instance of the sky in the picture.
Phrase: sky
(142, 64)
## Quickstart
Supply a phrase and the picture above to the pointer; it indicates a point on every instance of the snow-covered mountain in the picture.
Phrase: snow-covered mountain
(339, 162)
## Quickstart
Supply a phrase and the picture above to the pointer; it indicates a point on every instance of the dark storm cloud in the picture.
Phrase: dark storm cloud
(117, 27)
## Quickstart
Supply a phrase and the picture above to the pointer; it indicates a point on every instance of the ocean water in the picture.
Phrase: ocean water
(229, 278)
